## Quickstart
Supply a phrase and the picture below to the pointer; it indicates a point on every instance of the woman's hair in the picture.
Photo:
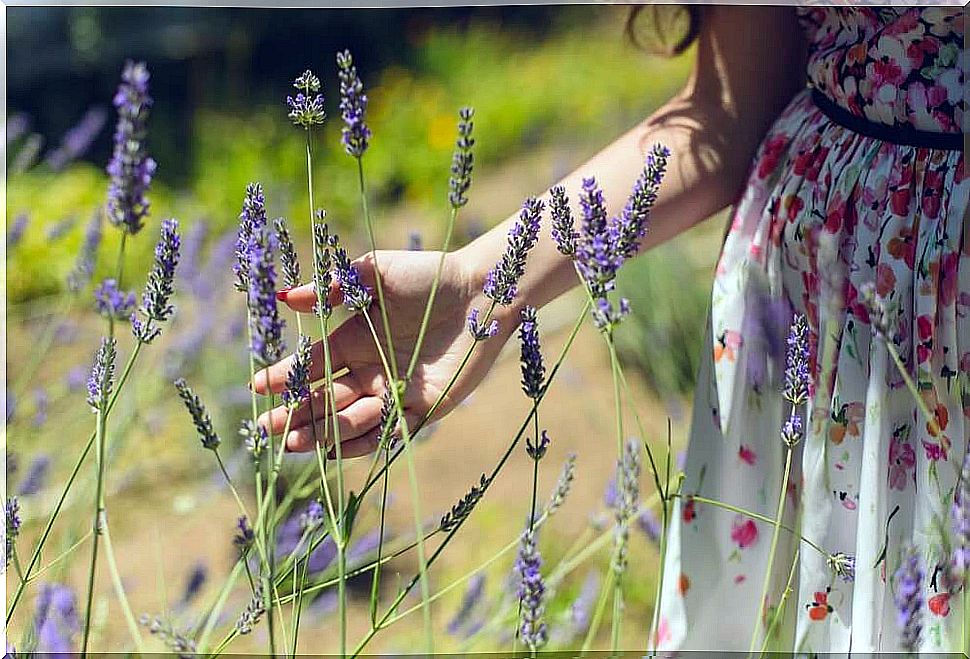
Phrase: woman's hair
(663, 29)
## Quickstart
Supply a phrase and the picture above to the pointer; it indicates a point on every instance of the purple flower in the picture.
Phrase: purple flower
(353, 106)
(323, 244)
(111, 302)
(75, 378)
(200, 417)
(649, 523)
(196, 580)
(960, 521)
(796, 367)
(78, 139)
(245, 536)
(792, 431)
(563, 224)
(289, 263)
(357, 297)
(253, 612)
(908, 580)
(101, 379)
(56, 620)
(36, 475)
(631, 225)
(298, 378)
(265, 324)
(580, 611)
(40, 407)
(842, 566)
(156, 303)
(17, 126)
(83, 268)
(532, 590)
(502, 280)
(533, 369)
(252, 220)
(481, 332)
(16, 232)
(474, 594)
(130, 168)
(312, 517)
(627, 500)
(12, 516)
(306, 108)
(563, 485)
(462, 161)
(536, 449)
(255, 438)
(365, 546)
(879, 319)
(61, 228)
(415, 243)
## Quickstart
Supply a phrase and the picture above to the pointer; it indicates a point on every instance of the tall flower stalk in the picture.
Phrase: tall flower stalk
(356, 138)
(796, 395)
(306, 111)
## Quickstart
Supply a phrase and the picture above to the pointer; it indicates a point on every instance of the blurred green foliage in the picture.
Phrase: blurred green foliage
(582, 85)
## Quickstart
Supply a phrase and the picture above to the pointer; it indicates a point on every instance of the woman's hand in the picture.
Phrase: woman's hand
(407, 277)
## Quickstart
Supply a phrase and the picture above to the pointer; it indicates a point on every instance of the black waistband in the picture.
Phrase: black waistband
(905, 135)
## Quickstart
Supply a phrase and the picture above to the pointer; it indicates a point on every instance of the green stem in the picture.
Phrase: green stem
(780, 511)
(96, 528)
(232, 488)
(299, 601)
(45, 535)
(913, 390)
(213, 617)
(378, 279)
(752, 514)
(415, 492)
(120, 589)
(781, 603)
(426, 318)
(594, 625)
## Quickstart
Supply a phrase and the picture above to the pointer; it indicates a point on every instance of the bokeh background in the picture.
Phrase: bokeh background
(550, 86)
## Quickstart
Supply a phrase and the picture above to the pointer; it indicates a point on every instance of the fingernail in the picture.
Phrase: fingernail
(281, 295)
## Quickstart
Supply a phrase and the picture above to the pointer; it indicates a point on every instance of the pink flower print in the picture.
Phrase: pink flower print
(771, 155)
(932, 190)
(747, 454)
(662, 635)
(885, 280)
(902, 460)
(948, 275)
(744, 532)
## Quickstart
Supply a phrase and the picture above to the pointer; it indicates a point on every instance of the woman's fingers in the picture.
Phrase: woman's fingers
(303, 298)
(368, 443)
(354, 420)
(348, 345)
(345, 392)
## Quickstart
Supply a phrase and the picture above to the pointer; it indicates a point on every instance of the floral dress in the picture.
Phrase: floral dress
(860, 181)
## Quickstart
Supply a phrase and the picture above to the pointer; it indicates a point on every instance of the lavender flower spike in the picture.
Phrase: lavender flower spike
(563, 485)
(462, 161)
(112, 302)
(102, 376)
(502, 280)
(537, 449)
(631, 225)
(563, 224)
(251, 616)
(960, 519)
(156, 303)
(130, 168)
(323, 244)
(288, 260)
(357, 297)
(200, 417)
(306, 108)
(12, 516)
(80, 275)
(533, 369)
(265, 324)
(474, 594)
(908, 580)
(478, 331)
(532, 591)
(627, 500)
(252, 219)
(796, 368)
(298, 378)
(353, 106)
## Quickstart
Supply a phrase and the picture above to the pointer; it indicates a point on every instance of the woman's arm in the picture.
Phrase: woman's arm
(750, 62)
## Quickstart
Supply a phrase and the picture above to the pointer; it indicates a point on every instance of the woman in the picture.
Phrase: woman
(859, 179)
